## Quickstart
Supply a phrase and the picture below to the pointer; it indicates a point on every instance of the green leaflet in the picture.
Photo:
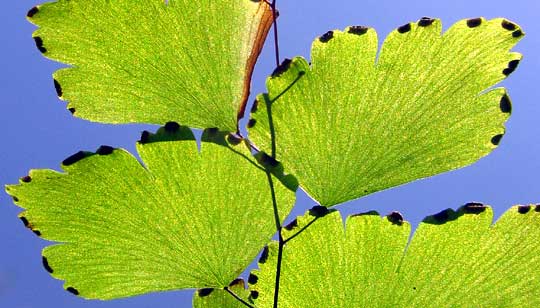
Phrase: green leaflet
(210, 298)
(455, 259)
(152, 62)
(183, 220)
(346, 127)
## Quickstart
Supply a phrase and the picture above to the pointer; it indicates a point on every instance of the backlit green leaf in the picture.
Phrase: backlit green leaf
(154, 61)
(350, 124)
(183, 220)
(454, 260)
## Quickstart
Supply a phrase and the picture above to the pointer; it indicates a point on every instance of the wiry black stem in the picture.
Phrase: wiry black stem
(276, 39)
(276, 212)
(281, 243)
(278, 268)
(238, 298)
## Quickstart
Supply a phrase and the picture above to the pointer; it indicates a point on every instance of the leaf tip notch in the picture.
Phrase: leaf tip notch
(508, 25)
(512, 27)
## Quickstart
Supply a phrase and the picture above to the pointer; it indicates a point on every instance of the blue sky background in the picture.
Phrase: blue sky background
(39, 132)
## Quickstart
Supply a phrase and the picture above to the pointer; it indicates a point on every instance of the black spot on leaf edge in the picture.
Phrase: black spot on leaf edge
(33, 11)
(39, 44)
(495, 140)
(370, 213)
(145, 137)
(58, 88)
(293, 224)
(425, 21)
(264, 255)
(326, 37)
(254, 294)
(474, 208)
(72, 290)
(74, 158)
(251, 123)
(358, 30)
(204, 292)
(404, 29)
(524, 209)
(25, 221)
(105, 150)
(517, 33)
(319, 211)
(512, 65)
(474, 22)
(46, 265)
(508, 25)
(505, 104)
(233, 139)
(253, 279)
(172, 127)
(442, 216)
(237, 281)
(395, 218)
(282, 68)
(255, 106)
